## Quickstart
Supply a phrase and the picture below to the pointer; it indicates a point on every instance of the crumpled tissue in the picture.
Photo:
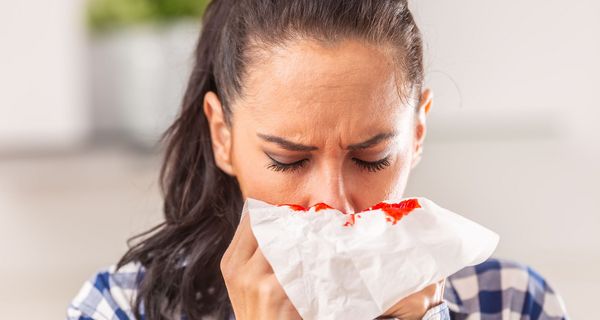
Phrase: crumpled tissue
(334, 265)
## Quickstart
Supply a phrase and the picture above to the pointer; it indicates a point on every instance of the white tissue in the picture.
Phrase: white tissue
(332, 271)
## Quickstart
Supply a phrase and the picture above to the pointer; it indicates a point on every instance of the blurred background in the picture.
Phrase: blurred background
(87, 87)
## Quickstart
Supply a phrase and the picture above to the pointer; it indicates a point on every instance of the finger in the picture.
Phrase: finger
(245, 245)
(290, 312)
(440, 292)
(415, 303)
(236, 237)
(435, 291)
(272, 301)
(258, 263)
(287, 310)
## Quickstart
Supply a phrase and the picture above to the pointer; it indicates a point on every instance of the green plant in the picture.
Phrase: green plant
(106, 14)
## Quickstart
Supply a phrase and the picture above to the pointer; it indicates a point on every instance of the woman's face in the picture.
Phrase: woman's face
(320, 124)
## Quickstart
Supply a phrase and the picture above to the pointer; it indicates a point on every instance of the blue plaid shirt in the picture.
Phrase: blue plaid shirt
(494, 289)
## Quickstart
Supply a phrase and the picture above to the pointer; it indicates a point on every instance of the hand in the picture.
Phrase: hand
(416, 305)
(253, 288)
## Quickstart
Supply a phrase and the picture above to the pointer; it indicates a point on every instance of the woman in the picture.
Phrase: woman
(301, 101)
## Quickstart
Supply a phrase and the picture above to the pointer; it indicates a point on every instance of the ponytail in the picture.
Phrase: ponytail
(202, 205)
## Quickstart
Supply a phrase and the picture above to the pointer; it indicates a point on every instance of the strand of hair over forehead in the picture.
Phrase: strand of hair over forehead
(272, 22)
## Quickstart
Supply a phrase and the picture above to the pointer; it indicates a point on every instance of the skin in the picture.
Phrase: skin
(331, 100)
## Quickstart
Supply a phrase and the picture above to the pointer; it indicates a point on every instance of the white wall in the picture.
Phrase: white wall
(536, 58)
(513, 140)
(42, 89)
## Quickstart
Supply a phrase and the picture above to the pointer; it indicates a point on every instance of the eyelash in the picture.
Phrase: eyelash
(365, 165)
(286, 167)
(373, 166)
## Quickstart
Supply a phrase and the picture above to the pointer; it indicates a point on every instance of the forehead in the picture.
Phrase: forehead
(349, 85)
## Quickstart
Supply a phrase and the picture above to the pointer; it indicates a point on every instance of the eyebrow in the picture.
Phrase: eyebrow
(292, 146)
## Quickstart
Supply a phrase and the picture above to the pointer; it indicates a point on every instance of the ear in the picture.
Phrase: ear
(220, 133)
(421, 125)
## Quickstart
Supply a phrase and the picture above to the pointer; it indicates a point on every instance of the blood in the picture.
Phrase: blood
(294, 207)
(318, 207)
(321, 206)
(350, 221)
(394, 211)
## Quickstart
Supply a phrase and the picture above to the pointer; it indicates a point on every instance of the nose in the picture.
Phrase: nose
(330, 189)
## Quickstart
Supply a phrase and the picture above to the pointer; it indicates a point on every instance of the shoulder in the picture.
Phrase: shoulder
(504, 288)
(108, 294)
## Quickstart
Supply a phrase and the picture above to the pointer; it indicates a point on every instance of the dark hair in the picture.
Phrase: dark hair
(203, 204)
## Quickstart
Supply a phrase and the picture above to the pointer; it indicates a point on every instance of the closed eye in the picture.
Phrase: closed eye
(286, 167)
(371, 166)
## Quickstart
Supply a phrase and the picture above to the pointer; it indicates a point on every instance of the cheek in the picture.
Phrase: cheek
(273, 188)
(397, 183)
(399, 174)
(256, 180)
(370, 188)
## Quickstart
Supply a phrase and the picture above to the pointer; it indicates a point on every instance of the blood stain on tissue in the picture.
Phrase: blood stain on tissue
(394, 211)
(294, 207)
